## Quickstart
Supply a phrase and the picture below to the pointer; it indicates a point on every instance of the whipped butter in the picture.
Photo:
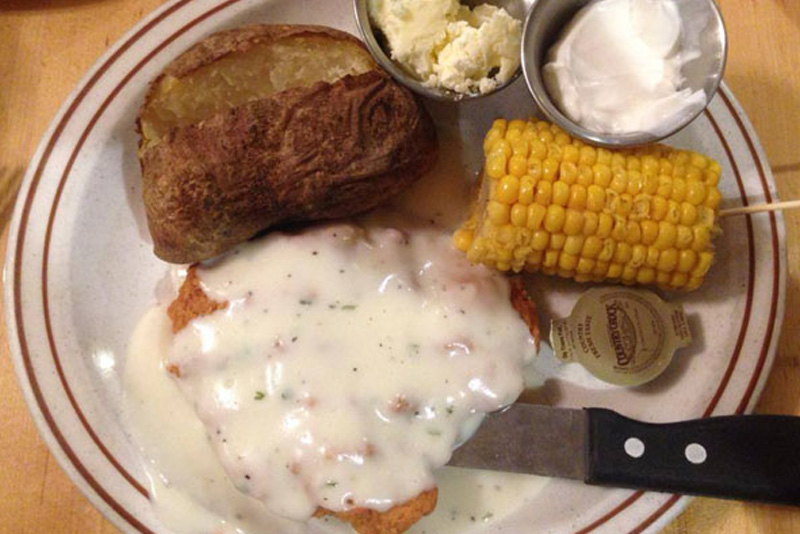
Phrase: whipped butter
(447, 45)
(347, 365)
(616, 68)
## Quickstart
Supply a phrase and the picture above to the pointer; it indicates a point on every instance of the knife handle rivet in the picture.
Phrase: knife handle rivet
(695, 453)
(634, 447)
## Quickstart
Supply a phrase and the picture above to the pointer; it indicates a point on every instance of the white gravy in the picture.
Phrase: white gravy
(345, 367)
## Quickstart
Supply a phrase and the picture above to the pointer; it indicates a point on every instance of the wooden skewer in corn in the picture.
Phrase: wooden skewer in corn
(773, 206)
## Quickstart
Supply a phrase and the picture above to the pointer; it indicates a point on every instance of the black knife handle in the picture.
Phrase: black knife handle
(755, 457)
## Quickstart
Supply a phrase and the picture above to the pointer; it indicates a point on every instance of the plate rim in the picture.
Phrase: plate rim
(36, 403)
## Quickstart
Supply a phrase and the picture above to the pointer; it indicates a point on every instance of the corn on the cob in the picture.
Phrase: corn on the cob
(551, 203)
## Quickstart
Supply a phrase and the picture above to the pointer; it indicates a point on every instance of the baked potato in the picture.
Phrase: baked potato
(272, 124)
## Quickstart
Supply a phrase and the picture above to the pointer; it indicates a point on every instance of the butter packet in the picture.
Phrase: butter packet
(622, 336)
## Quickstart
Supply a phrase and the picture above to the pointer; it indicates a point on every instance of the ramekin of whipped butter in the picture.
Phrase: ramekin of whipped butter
(442, 48)
(623, 72)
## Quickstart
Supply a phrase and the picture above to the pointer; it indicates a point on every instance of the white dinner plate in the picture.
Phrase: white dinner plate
(80, 272)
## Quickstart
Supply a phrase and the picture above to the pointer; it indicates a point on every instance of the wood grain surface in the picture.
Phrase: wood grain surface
(47, 45)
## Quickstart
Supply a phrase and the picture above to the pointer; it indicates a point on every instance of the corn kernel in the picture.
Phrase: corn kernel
(571, 154)
(652, 257)
(568, 262)
(516, 124)
(619, 232)
(573, 222)
(518, 165)
(568, 173)
(557, 241)
(502, 146)
(673, 212)
(684, 237)
(619, 181)
(520, 148)
(678, 189)
(590, 222)
(687, 259)
(503, 266)
(702, 238)
(462, 239)
(573, 244)
(555, 152)
(538, 150)
(646, 275)
(513, 135)
(526, 190)
(628, 274)
(658, 208)
(519, 215)
(649, 164)
(665, 167)
(635, 182)
(668, 260)
(592, 246)
(540, 240)
(633, 233)
(549, 169)
(554, 219)
(703, 264)
(696, 192)
(560, 193)
(507, 235)
(607, 251)
(638, 256)
(534, 258)
(536, 213)
(496, 165)
(693, 174)
(577, 197)
(585, 175)
(595, 198)
(663, 278)
(649, 184)
(693, 283)
(664, 186)
(585, 266)
(688, 214)
(641, 207)
(706, 216)
(508, 190)
(679, 280)
(600, 269)
(614, 271)
(623, 253)
(649, 232)
(618, 161)
(713, 198)
(535, 169)
(562, 139)
(624, 205)
(710, 178)
(588, 156)
(550, 258)
(491, 138)
(604, 156)
(605, 224)
(498, 212)
(667, 234)
(544, 192)
(602, 174)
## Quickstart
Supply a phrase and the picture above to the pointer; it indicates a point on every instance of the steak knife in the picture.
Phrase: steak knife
(746, 457)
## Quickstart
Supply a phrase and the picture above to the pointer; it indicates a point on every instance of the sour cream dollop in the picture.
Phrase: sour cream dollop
(617, 68)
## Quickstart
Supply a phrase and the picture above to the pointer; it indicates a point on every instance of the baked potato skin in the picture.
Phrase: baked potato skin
(310, 153)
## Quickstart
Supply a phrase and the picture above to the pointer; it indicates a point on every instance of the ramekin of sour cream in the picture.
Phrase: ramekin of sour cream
(623, 72)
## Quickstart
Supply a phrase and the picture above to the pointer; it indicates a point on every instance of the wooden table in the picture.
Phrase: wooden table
(47, 45)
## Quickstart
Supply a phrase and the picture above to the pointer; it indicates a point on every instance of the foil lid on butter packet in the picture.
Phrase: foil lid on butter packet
(622, 336)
